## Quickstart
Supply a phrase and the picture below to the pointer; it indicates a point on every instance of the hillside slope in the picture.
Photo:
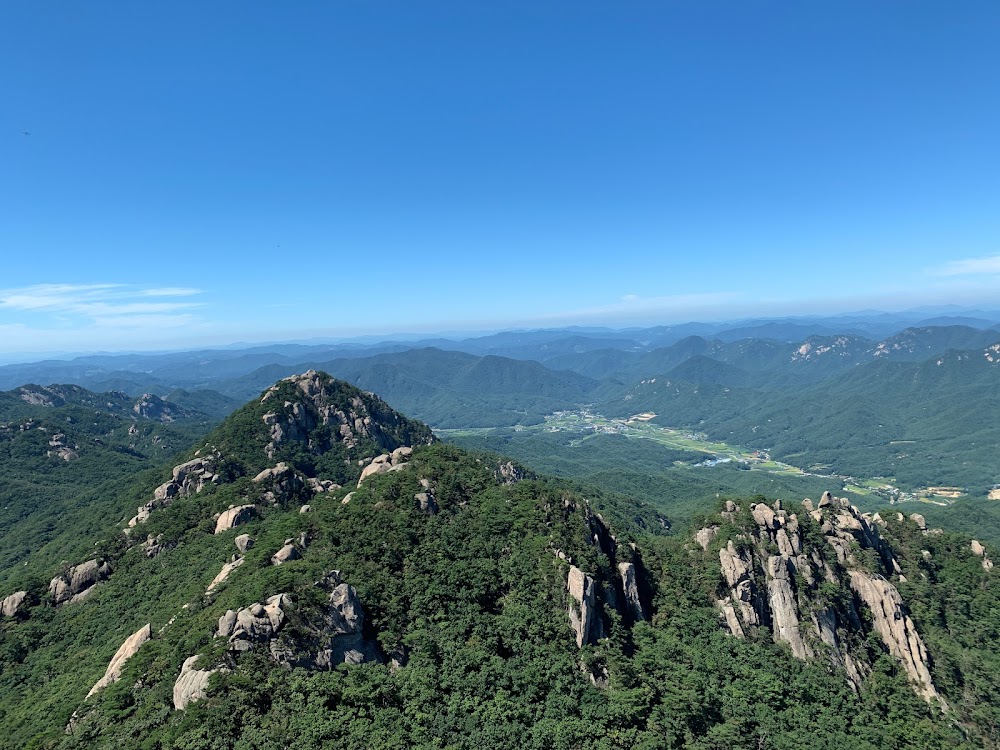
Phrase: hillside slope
(321, 572)
(66, 454)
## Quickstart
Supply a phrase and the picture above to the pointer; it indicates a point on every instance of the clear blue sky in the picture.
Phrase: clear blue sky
(192, 172)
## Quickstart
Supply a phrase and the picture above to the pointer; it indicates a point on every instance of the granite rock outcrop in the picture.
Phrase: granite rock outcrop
(772, 575)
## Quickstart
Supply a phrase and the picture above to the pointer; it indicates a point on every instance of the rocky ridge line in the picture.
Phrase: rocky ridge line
(772, 577)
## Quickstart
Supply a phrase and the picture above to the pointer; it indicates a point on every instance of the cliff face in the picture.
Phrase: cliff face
(616, 586)
(819, 579)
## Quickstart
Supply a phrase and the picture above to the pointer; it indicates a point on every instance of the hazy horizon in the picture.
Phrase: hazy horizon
(914, 315)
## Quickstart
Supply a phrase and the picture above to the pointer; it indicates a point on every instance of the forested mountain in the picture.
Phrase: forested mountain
(318, 571)
(916, 406)
(451, 389)
(933, 422)
(563, 348)
(773, 363)
(64, 451)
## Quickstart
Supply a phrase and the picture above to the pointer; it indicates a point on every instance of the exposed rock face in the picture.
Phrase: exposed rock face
(153, 545)
(794, 609)
(509, 473)
(77, 582)
(341, 639)
(351, 416)
(322, 639)
(630, 586)
(227, 569)
(980, 551)
(280, 484)
(705, 536)
(729, 617)
(919, 521)
(285, 554)
(189, 478)
(244, 542)
(583, 616)
(784, 612)
(895, 627)
(191, 684)
(151, 406)
(12, 603)
(125, 652)
(765, 517)
(61, 448)
(254, 625)
(39, 396)
(426, 502)
(235, 516)
(737, 569)
(387, 462)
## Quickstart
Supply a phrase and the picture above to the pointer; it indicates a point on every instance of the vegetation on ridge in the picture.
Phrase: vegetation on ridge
(469, 597)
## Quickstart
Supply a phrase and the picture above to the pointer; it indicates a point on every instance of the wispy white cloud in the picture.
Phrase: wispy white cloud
(170, 291)
(49, 317)
(90, 302)
(969, 267)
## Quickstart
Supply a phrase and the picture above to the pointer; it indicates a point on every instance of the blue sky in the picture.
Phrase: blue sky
(186, 173)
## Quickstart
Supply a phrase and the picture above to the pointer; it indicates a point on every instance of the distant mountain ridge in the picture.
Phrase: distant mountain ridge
(199, 369)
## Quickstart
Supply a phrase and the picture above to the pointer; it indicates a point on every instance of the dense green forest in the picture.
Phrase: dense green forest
(68, 456)
(668, 479)
(442, 587)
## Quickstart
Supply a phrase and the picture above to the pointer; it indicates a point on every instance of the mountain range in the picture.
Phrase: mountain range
(319, 570)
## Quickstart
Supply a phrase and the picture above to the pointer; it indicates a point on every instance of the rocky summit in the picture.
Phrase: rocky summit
(320, 571)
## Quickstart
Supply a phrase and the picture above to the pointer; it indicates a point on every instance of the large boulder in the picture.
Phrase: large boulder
(233, 517)
(224, 574)
(11, 604)
(387, 462)
(125, 652)
(281, 484)
(78, 581)
(191, 684)
(286, 554)
(243, 542)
